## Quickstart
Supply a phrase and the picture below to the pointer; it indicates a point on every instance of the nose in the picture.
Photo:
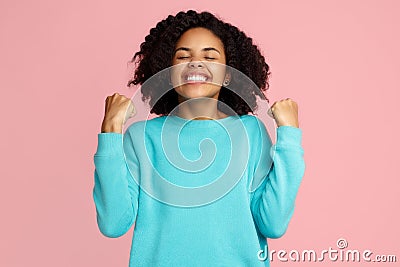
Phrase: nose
(196, 64)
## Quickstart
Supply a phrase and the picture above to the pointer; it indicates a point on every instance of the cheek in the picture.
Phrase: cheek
(176, 74)
(218, 71)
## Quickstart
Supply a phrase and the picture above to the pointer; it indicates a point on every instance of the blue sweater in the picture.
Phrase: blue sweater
(200, 192)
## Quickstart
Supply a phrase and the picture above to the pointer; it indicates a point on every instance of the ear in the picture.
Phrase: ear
(228, 77)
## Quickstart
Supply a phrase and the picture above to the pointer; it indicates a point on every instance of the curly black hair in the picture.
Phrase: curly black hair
(156, 54)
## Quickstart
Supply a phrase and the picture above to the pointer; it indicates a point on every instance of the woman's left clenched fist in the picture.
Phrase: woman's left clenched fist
(285, 113)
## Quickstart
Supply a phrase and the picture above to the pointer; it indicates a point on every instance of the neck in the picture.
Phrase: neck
(203, 108)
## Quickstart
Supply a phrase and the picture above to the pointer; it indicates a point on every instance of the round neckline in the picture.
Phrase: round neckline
(201, 123)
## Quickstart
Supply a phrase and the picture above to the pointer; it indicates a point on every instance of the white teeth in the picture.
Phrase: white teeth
(196, 78)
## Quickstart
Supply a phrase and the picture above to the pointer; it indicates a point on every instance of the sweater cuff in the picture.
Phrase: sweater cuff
(109, 144)
(288, 136)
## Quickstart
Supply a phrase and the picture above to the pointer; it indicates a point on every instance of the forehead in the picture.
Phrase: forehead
(199, 37)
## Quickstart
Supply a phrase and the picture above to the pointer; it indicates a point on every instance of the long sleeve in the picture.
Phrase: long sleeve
(115, 191)
(272, 203)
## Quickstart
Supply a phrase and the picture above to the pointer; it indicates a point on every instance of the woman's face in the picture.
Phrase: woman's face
(198, 64)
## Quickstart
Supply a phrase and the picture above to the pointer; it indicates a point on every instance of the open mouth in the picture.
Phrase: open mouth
(196, 78)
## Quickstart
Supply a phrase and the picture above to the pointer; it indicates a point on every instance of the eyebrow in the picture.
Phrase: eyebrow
(204, 49)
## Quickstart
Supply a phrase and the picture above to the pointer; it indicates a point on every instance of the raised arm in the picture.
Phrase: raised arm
(115, 191)
(272, 203)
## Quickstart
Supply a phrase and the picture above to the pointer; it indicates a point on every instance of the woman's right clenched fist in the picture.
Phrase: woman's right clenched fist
(118, 110)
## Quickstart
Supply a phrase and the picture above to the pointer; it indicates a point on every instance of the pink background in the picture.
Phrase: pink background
(339, 60)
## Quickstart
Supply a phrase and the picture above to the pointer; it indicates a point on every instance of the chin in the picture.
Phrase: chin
(190, 91)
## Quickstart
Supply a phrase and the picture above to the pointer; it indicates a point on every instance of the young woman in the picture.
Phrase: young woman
(196, 202)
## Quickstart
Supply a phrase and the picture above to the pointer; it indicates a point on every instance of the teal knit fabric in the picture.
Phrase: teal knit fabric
(198, 192)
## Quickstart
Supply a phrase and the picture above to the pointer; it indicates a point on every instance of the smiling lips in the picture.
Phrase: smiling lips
(196, 77)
